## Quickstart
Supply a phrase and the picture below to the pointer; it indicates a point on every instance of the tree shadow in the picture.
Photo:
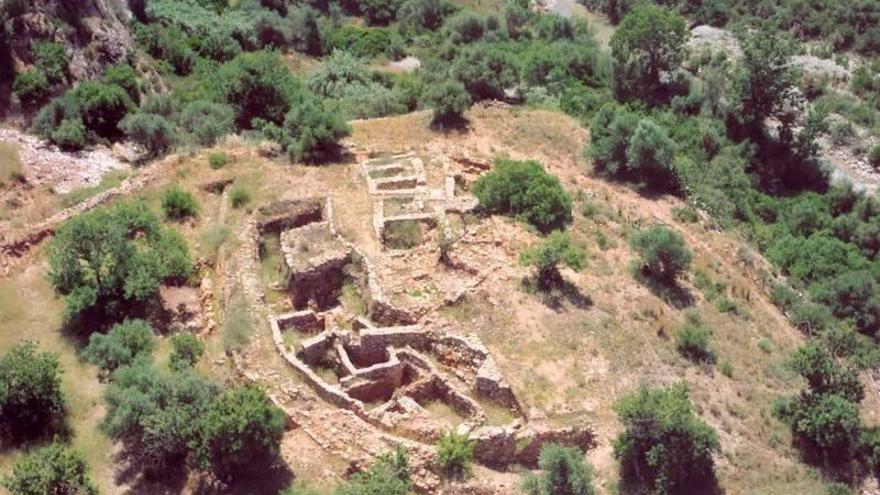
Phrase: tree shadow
(556, 295)
(670, 291)
(329, 154)
(632, 485)
(268, 480)
(451, 124)
(131, 471)
(56, 428)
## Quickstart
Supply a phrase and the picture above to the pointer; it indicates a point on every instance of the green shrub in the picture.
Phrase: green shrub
(692, 341)
(31, 401)
(150, 131)
(663, 252)
(256, 86)
(650, 155)
(526, 191)
(127, 237)
(240, 427)
(121, 346)
(379, 12)
(306, 31)
(563, 471)
(54, 469)
(455, 454)
(546, 257)
(125, 77)
(186, 350)
(31, 87)
(207, 121)
(161, 104)
(178, 204)
(51, 59)
(486, 71)
(70, 135)
(449, 100)
(102, 107)
(726, 369)
(416, 16)
(311, 131)
(239, 196)
(218, 45)
(664, 446)
(218, 160)
(389, 475)
(464, 27)
(402, 234)
(874, 156)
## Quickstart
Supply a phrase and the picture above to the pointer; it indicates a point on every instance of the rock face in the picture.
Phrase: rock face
(94, 33)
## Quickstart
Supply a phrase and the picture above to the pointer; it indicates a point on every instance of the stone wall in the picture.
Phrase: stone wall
(498, 446)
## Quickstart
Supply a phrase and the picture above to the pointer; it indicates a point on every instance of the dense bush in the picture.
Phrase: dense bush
(358, 92)
(168, 43)
(121, 346)
(389, 475)
(648, 42)
(239, 428)
(207, 122)
(379, 12)
(526, 191)
(102, 107)
(464, 27)
(692, 341)
(55, 469)
(127, 245)
(70, 135)
(416, 16)
(852, 295)
(663, 252)
(154, 133)
(239, 196)
(311, 131)
(31, 401)
(306, 31)
(256, 86)
(186, 350)
(156, 416)
(124, 76)
(455, 454)
(664, 446)
(178, 204)
(650, 155)
(815, 258)
(51, 59)
(449, 100)
(546, 257)
(485, 71)
(360, 42)
(563, 471)
(31, 87)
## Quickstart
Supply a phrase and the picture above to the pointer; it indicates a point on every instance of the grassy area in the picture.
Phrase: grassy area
(10, 162)
(31, 311)
(402, 234)
(109, 180)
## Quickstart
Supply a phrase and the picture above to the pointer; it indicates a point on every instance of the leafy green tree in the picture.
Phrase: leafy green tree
(563, 472)
(824, 375)
(826, 427)
(526, 191)
(109, 256)
(664, 446)
(455, 455)
(241, 427)
(186, 349)
(546, 257)
(256, 86)
(51, 59)
(311, 131)
(852, 295)
(610, 132)
(155, 415)
(178, 204)
(55, 470)
(31, 400)
(449, 99)
(154, 133)
(379, 12)
(649, 42)
(815, 258)
(121, 346)
(663, 252)
(206, 121)
(486, 71)
(651, 153)
(764, 81)
(31, 88)
(102, 107)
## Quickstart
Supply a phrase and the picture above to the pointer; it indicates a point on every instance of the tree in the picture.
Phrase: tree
(311, 131)
(155, 415)
(664, 446)
(826, 426)
(824, 375)
(150, 131)
(422, 15)
(548, 255)
(852, 295)
(526, 191)
(449, 99)
(663, 252)
(379, 12)
(31, 400)
(256, 86)
(121, 346)
(455, 454)
(306, 31)
(186, 349)
(649, 42)
(610, 132)
(485, 71)
(764, 81)
(563, 472)
(102, 107)
(207, 121)
(114, 255)
(650, 154)
(55, 470)
(240, 428)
